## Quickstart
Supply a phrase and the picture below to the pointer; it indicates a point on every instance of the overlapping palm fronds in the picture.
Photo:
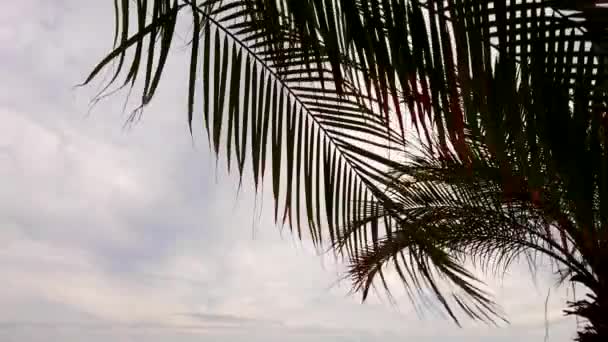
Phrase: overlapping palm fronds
(319, 96)
(435, 58)
(546, 191)
(516, 192)
(528, 78)
(449, 213)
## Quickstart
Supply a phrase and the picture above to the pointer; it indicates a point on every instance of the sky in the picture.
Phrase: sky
(119, 233)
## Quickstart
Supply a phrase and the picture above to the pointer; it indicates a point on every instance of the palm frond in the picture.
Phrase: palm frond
(437, 56)
(269, 101)
(447, 213)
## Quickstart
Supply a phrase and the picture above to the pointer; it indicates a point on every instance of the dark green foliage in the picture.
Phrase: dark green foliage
(508, 98)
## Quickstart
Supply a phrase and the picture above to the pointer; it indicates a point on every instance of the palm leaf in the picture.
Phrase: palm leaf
(269, 101)
(448, 213)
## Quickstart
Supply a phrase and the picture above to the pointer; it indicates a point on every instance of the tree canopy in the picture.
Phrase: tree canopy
(417, 134)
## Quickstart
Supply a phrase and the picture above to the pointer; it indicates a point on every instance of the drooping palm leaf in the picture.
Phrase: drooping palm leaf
(448, 213)
(268, 100)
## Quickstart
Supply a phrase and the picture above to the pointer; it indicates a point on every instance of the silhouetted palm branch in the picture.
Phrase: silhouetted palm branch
(449, 213)
(269, 98)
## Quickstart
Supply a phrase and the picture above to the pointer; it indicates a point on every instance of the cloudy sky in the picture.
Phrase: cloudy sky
(110, 233)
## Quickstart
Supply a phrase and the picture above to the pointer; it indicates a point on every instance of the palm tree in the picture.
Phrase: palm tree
(324, 93)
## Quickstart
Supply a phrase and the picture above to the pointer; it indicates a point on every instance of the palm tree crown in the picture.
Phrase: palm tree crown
(508, 98)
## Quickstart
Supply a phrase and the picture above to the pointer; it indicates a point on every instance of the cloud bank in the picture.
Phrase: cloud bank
(113, 233)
